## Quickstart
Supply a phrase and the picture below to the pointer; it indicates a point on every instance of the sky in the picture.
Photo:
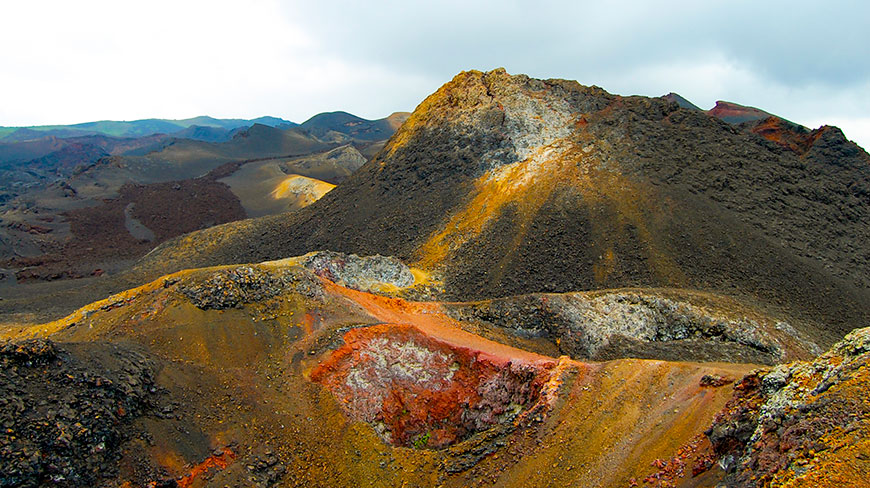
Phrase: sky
(66, 62)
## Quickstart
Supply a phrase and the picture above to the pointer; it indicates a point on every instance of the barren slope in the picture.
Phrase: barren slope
(251, 369)
(506, 185)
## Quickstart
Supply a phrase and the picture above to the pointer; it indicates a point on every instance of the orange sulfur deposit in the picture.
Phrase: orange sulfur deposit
(213, 462)
(420, 391)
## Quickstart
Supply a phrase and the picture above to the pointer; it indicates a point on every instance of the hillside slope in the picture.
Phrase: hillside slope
(505, 185)
(291, 373)
(246, 375)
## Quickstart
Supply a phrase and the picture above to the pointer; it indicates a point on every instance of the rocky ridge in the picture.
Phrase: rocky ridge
(664, 324)
(800, 424)
(501, 185)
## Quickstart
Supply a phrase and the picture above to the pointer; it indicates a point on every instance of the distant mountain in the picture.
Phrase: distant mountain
(134, 128)
(205, 133)
(342, 125)
(734, 113)
(682, 102)
(71, 205)
(15, 153)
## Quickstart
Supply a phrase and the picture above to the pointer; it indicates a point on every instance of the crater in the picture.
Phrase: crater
(419, 391)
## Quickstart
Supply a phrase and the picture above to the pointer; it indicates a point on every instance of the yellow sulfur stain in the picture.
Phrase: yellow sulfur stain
(301, 188)
(564, 165)
(526, 183)
(605, 267)
(116, 300)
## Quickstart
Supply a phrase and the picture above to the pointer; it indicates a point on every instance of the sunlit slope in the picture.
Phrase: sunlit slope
(506, 185)
(245, 363)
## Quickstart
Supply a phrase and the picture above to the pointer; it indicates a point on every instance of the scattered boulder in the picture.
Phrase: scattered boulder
(236, 286)
(367, 273)
(65, 411)
(804, 423)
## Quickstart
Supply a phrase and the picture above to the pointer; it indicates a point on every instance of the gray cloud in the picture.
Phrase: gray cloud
(804, 60)
(794, 43)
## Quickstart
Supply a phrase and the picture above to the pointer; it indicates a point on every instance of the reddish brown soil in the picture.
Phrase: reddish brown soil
(99, 234)
(787, 135)
(735, 113)
(215, 462)
(425, 392)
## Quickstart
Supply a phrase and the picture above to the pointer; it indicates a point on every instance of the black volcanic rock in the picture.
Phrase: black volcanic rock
(65, 410)
(504, 185)
(679, 100)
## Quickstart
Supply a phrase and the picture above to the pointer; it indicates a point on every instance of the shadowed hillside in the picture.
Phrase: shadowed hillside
(551, 285)
(504, 184)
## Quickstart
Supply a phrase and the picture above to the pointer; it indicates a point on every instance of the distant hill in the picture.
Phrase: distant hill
(205, 133)
(682, 102)
(734, 113)
(69, 206)
(342, 125)
(134, 128)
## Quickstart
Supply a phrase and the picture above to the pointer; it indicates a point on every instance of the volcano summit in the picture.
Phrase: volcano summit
(533, 283)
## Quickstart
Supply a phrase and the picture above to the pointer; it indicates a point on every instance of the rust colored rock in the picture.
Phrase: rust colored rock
(416, 390)
(219, 460)
(788, 135)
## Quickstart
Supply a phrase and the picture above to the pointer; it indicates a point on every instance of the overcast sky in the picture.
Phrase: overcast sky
(74, 61)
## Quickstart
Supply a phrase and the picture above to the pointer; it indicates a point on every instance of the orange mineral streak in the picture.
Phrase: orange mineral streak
(218, 462)
(308, 323)
(564, 166)
(424, 391)
(528, 184)
(776, 130)
(430, 318)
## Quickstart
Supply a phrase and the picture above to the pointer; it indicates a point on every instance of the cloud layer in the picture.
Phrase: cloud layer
(66, 62)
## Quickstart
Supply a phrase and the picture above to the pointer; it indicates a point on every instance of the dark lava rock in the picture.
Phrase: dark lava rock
(802, 421)
(233, 287)
(64, 411)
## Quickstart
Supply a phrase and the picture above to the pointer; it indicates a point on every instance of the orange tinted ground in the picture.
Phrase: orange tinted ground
(211, 463)
(430, 318)
(566, 166)
(724, 110)
(238, 377)
(775, 129)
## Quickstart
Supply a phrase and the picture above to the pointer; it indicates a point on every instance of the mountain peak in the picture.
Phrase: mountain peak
(679, 100)
(520, 111)
(735, 113)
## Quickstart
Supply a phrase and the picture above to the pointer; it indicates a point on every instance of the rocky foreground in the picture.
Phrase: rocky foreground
(584, 290)
(288, 374)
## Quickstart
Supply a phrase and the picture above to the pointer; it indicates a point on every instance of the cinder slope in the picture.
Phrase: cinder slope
(245, 370)
(507, 185)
